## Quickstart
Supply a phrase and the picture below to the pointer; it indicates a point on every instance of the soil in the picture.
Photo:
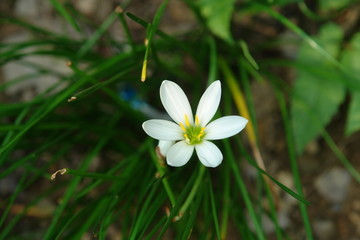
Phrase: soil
(340, 220)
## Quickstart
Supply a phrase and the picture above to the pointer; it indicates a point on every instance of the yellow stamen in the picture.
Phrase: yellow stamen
(182, 127)
(193, 133)
(197, 121)
(201, 133)
(187, 121)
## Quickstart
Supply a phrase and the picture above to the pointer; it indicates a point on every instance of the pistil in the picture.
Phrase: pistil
(193, 134)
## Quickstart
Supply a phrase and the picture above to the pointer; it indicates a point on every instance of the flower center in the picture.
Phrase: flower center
(193, 134)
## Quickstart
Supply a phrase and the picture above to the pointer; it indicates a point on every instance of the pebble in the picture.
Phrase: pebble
(324, 229)
(16, 69)
(333, 185)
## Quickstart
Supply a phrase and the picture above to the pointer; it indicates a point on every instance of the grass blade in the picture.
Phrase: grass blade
(61, 9)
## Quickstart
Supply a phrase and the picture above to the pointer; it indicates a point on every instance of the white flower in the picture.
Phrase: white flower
(179, 139)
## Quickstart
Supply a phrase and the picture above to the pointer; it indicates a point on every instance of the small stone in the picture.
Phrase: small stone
(267, 224)
(96, 9)
(324, 229)
(333, 185)
(32, 85)
(27, 8)
(86, 7)
(312, 147)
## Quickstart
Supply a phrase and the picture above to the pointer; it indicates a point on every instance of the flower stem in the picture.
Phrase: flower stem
(226, 203)
(192, 193)
(243, 109)
(161, 170)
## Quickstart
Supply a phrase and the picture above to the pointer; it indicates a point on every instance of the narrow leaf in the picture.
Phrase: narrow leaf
(61, 9)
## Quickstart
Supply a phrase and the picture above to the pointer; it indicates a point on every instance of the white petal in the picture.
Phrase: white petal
(175, 102)
(164, 146)
(163, 130)
(179, 154)
(209, 154)
(209, 103)
(225, 127)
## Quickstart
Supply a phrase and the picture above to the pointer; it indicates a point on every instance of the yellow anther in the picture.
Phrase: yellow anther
(193, 133)
(201, 133)
(187, 121)
(182, 127)
(197, 121)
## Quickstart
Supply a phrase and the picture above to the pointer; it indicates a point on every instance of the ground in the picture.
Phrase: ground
(333, 193)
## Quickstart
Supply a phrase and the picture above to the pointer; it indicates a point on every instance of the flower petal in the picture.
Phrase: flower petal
(164, 146)
(163, 130)
(225, 127)
(175, 102)
(179, 154)
(209, 154)
(209, 103)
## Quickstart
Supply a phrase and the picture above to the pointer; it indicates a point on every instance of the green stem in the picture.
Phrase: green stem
(293, 161)
(161, 170)
(213, 209)
(226, 203)
(193, 191)
(341, 156)
(244, 192)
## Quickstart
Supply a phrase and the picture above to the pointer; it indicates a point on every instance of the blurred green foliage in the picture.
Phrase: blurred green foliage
(318, 89)
(89, 121)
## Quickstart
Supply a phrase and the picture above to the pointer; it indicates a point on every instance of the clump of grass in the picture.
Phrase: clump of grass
(111, 182)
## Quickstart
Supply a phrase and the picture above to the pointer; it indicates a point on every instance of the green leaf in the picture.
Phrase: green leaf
(318, 88)
(218, 17)
(353, 121)
(247, 54)
(350, 59)
(280, 2)
(332, 5)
